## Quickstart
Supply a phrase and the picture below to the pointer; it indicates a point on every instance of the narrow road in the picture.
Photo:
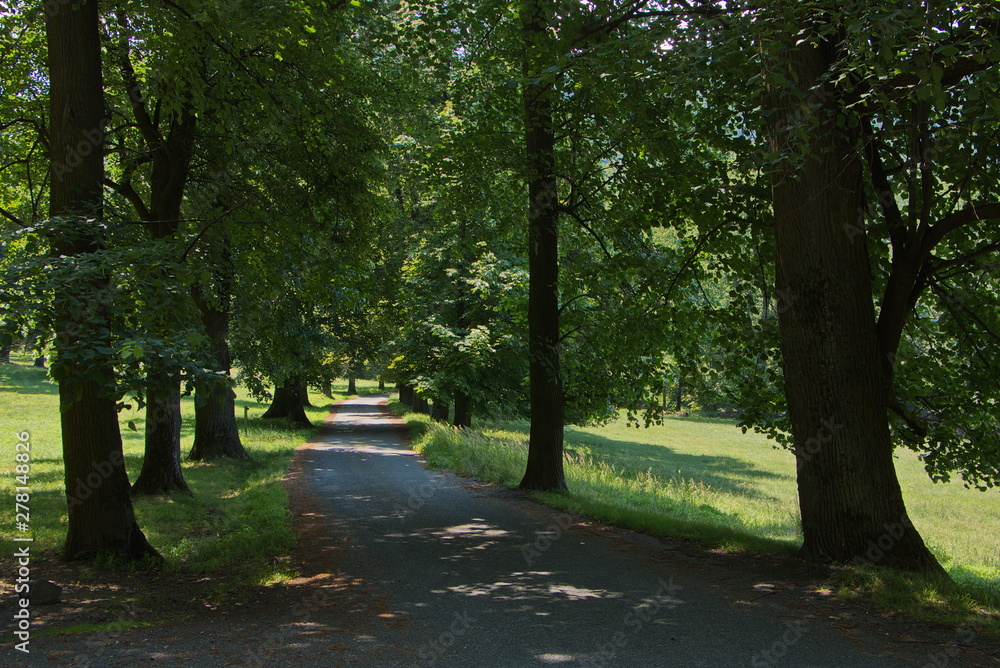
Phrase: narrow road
(470, 575)
(403, 566)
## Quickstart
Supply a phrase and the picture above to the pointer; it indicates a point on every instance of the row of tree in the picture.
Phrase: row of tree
(813, 183)
(541, 208)
(207, 178)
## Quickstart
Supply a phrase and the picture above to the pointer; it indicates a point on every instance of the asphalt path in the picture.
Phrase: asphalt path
(405, 566)
(476, 576)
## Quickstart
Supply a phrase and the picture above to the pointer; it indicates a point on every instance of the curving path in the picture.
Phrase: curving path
(470, 575)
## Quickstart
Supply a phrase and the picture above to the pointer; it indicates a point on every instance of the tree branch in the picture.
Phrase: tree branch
(128, 192)
(575, 216)
(691, 258)
(962, 68)
(146, 125)
(11, 217)
(956, 219)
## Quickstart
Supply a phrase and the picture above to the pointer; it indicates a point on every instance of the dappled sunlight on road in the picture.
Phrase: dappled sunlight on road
(529, 585)
(478, 575)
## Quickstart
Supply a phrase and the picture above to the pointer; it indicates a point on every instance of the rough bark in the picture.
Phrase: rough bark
(5, 353)
(849, 497)
(463, 411)
(406, 394)
(161, 463)
(544, 470)
(216, 433)
(352, 385)
(39, 362)
(100, 515)
(287, 404)
(420, 404)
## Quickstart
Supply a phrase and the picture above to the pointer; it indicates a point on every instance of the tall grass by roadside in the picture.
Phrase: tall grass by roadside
(705, 480)
(237, 519)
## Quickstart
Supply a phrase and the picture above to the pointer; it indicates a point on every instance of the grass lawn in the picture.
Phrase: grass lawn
(751, 485)
(702, 478)
(237, 519)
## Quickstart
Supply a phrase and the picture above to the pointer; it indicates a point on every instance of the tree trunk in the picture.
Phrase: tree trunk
(420, 404)
(170, 154)
(463, 411)
(304, 395)
(161, 462)
(545, 442)
(352, 385)
(5, 353)
(381, 385)
(287, 404)
(100, 514)
(39, 362)
(850, 500)
(406, 394)
(328, 388)
(439, 411)
(215, 431)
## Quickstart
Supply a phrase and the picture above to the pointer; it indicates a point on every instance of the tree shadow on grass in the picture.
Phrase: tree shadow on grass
(25, 379)
(719, 472)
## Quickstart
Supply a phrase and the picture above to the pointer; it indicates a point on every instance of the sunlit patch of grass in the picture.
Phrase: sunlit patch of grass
(665, 502)
(237, 520)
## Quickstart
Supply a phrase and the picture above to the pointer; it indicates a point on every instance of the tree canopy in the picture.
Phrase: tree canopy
(551, 210)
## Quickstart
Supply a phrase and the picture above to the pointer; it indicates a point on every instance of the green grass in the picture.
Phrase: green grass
(364, 387)
(237, 520)
(114, 625)
(701, 478)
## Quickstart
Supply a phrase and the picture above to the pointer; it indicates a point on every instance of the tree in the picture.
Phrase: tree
(828, 342)
(832, 116)
(578, 175)
(461, 341)
(545, 443)
(216, 433)
(167, 142)
(101, 519)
